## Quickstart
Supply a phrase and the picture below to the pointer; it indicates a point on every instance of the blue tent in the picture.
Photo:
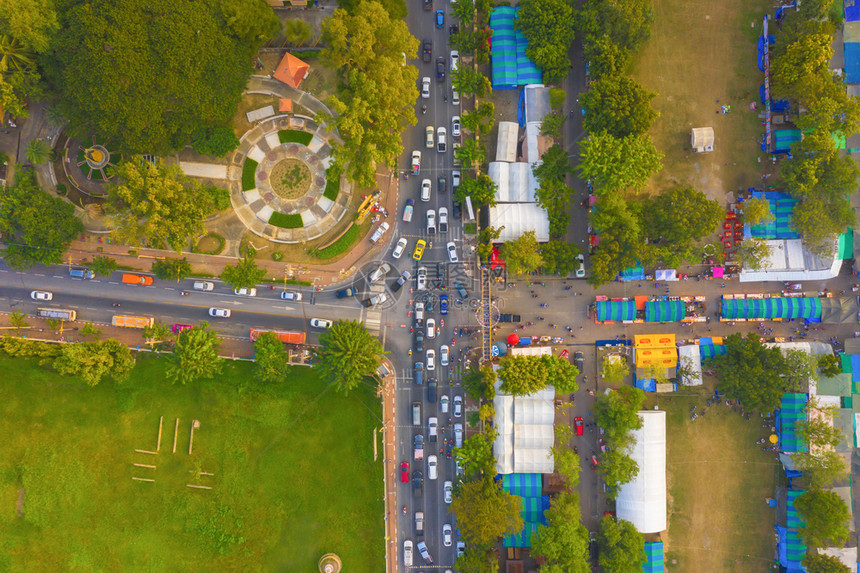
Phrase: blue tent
(616, 310)
(665, 310)
(852, 11)
(653, 557)
(852, 63)
(791, 411)
(771, 308)
(771, 40)
(632, 274)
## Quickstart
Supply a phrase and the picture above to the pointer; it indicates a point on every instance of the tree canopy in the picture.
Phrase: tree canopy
(522, 255)
(617, 413)
(619, 106)
(559, 257)
(270, 358)
(826, 516)
(347, 354)
(94, 361)
(548, 27)
(751, 373)
(523, 375)
(563, 541)
(125, 71)
(676, 220)
(481, 189)
(622, 548)
(618, 164)
(622, 243)
(486, 512)
(244, 274)
(821, 563)
(195, 355)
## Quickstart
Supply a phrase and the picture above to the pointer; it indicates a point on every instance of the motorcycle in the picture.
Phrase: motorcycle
(183, 293)
(423, 109)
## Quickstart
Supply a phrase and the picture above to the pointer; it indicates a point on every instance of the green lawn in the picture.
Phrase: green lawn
(249, 170)
(294, 474)
(294, 136)
(286, 221)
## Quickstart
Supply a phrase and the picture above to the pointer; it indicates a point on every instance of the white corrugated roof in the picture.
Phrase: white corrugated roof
(506, 143)
(690, 357)
(525, 432)
(643, 501)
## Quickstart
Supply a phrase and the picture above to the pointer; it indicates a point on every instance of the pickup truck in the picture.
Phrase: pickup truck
(419, 523)
(418, 443)
(510, 318)
(379, 232)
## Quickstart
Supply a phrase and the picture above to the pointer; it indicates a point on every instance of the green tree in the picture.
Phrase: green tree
(195, 355)
(476, 560)
(678, 219)
(89, 329)
(565, 459)
(751, 373)
(754, 253)
(468, 81)
(270, 359)
(619, 106)
(622, 548)
(486, 236)
(757, 211)
(819, 431)
(548, 27)
(218, 197)
(522, 375)
(481, 189)
(18, 320)
(801, 367)
(556, 95)
(14, 56)
(617, 412)
(214, 140)
(559, 257)
(555, 165)
(826, 516)
(157, 335)
(38, 226)
(486, 512)
(478, 383)
(481, 120)
(821, 563)
(93, 361)
(560, 373)
(147, 91)
(819, 220)
(31, 23)
(552, 124)
(563, 541)
(156, 203)
(607, 58)
(618, 164)
(103, 266)
(171, 269)
(38, 152)
(553, 196)
(614, 371)
(822, 468)
(522, 255)
(347, 354)
(622, 243)
(297, 31)
(395, 8)
(476, 455)
(471, 154)
(796, 72)
(376, 97)
(244, 274)
(829, 365)
(616, 468)
(626, 24)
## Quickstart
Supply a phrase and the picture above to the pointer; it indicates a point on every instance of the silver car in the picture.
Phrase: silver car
(431, 222)
(379, 273)
(219, 312)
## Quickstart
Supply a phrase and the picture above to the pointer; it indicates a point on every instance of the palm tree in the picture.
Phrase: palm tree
(38, 152)
(13, 56)
(347, 354)
(297, 31)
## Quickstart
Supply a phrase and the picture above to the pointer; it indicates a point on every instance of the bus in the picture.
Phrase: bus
(56, 313)
(132, 321)
(289, 336)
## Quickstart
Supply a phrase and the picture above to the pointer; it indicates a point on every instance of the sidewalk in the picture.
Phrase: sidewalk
(389, 435)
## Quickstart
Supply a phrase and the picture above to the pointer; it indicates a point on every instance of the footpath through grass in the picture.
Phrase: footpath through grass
(293, 474)
(718, 481)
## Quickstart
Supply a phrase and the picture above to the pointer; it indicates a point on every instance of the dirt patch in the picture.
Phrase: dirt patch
(702, 56)
(250, 102)
(290, 178)
(19, 506)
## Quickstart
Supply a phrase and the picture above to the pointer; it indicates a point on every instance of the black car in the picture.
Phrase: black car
(417, 483)
(431, 390)
(458, 211)
(440, 69)
(419, 341)
(461, 290)
(404, 276)
(442, 184)
(578, 361)
(428, 5)
(345, 292)
(427, 52)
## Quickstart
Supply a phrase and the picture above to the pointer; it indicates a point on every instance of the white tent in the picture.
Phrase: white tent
(642, 501)
(690, 357)
(702, 139)
(789, 260)
(518, 219)
(506, 146)
(665, 275)
(525, 432)
(846, 555)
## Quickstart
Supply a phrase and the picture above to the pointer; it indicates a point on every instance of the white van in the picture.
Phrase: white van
(416, 413)
(203, 285)
(432, 467)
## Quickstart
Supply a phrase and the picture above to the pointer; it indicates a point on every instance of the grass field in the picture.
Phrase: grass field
(699, 53)
(293, 474)
(718, 481)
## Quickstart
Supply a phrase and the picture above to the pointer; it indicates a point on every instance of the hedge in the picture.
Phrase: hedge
(292, 221)
(294, 136)
(248, 173)
(341, 245)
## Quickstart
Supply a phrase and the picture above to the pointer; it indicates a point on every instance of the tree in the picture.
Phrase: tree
(480, 121)
(819, 431)
(555, 165)
(218, 197)
(617, 413)
(476, 455)
(468, 81)
(754, 253)
(559, 257)
(395, 8)
(31, 23)
(678, 219)
(800, 68)
(556, 95)
(522, 255)
(547, 25)
(819, 220)
(103, 266)
(560, 373)
(195, 355)
(801, 367)
(821, 563)
(476, 560)
(478, 383)
(471, 154)
(376, 97)
(486, 512)
(751, 373)
(347, 354)
(757, 211)
(622, 548)
(38, 226)
(563, 541)
(270, 358)
(89, 329)
(626, 24)
(171, 269)
(18, 320)
(486, 236)
(244, 274)
(38, 152)
(93, 361)
(822, 468)
(826, 516)
(614, 370)
(522, 375)
(616, 468)
(481, 189)
(553, 196)
(606, 57)
(157, 204)
(147, 91)
(566, 460)
(829, 365)
(618, 164)
(297, 31)
(157, 335)
(622, 243)
(552, 124)
(619, 106)
(214, 140)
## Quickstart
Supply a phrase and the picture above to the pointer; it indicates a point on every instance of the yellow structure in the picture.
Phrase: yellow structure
(655, 350)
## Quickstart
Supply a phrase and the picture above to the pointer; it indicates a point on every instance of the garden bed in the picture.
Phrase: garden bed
(340, 246)
(294, 136)
(291, 221)
(249, 171)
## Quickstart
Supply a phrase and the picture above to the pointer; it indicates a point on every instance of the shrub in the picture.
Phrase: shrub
(216, 141)
(556, 98)
(277, 256)
(219, 197)
(470, 229)
(248, 172)
(294, 136)
(292, 221)
(216, 250)
(341, 245)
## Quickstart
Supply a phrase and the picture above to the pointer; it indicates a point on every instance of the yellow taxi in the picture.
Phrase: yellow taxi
(419, 249)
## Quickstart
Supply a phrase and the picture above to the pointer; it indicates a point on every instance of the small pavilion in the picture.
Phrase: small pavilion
(291, 71)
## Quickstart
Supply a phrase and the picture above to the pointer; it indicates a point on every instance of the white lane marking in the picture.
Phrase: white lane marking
(37, 275)
(112, 283)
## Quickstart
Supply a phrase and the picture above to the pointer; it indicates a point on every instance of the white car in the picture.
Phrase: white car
(441, 140)
(431, 222)
(443, 219)
(219, 312)
(455, 126)
(41, 295)
(461, 548)
(446, 535)
(425, 554)
(289, 295)
(379, 273)
(455, 180)
(407, 553)
(432, 467)
(431, 359)
(320, 323)
(400, 247)
(431, 333)
(452, 252)
(458, 435)
(443, 355)
(245, 291)
(425, 88)
(428, 137)
(580, 269)
(458, 406)
(455, 60)
(443, 403)
(416, 162)
(426, 187)
(448, 489)
(455, 97)
(421, 280)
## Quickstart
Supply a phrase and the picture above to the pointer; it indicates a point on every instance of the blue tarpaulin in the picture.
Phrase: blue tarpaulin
(782, 209)
(852, 63)
(653, 557)
(776, 105)
(791, 550)
(645, 384)
(852, 10)
(510, 66)
(771, 41)
(528, 487)
(855, 367)
(632, 274)
(791, 411)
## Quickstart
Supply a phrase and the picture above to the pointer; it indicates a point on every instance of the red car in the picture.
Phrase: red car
(564, 354)
(578, 425)
(404, 472)
(594, 462)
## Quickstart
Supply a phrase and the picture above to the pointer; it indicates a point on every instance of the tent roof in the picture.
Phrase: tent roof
(616, 310)
(770, 308)
(702, 137)
(506, 147)
(291, 70)
(525, 432)
(665, 310)
(689, 356)
(642, 501)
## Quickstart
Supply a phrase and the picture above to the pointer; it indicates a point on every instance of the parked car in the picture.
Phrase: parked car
(245, 291)
(291, 295)
(458, 406)
(461, 548)
(578, 361)
(594, 462)
(443, 219)
(419, 341)
(580, 269)
(379, 232)
(455, 97)
(345, 292)
(400, 247)
(204, 285)
(427, 52)
(407, 553)
(219, 312)
(446, 535)
(579, 425)
(41, 295)
(404, 472)
(455, 60)
(455, 183)
(440, 19)
(379, 273)
(81, 273)
(448, 490)
(455, 124)
(428, 5)
(457, 211)
(452, 252)
(458, 435)
(320, 323)
(419, 309)
(416, 162)
(419, 249)
(461, 290)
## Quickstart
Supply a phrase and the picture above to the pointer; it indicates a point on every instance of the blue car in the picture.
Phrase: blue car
(443, 304)
(440, 19)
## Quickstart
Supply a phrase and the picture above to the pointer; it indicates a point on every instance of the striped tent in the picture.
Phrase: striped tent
(616, 310)
(782, 209)
(653, 557)
(770, 308)
(525, 485)
(504, 48)
(793, 520)
(791, 411)
(665, 310)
